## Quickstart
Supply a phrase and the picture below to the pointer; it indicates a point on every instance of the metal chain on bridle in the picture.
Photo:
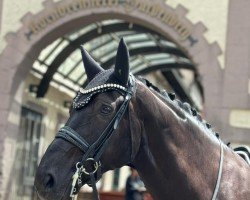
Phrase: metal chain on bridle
(90, 164)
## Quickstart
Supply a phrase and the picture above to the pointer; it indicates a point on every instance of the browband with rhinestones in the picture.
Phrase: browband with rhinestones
(95, 90)
(104, 86)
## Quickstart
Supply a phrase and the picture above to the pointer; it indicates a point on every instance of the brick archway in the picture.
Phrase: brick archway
(23, 48)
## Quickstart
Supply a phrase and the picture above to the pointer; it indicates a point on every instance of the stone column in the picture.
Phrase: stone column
(237, 71)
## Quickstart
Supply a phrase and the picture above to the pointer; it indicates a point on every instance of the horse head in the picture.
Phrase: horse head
(100, 119)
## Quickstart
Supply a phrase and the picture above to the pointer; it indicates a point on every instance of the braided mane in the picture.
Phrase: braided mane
(243, 151)
(183, 106)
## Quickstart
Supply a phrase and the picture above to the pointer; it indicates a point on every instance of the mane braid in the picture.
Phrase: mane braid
(186, 107)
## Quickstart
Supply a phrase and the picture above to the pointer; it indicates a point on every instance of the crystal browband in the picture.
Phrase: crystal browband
(109, 85)
(92, 91)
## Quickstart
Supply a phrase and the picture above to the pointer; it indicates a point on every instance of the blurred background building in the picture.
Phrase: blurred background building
(198, 49)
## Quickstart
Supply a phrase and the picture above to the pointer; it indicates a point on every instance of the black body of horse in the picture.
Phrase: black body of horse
(175, 153)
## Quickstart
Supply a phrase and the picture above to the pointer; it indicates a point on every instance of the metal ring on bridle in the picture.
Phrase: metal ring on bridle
(96, 166)
(78, 165)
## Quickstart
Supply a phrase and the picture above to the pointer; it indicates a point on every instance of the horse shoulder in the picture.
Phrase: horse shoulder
(235, 178)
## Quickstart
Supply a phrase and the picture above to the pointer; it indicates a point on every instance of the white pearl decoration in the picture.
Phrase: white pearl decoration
(104, 86)
(94, 90)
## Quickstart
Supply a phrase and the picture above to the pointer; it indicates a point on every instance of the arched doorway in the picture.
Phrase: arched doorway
(60, 18)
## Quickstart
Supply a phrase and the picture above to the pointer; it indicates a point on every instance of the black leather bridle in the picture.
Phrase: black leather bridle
(90, 164)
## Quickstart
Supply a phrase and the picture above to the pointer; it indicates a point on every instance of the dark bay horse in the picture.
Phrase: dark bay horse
(118, 120)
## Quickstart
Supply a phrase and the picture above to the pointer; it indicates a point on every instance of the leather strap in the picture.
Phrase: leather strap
(72, 136)
(217, 187)
(93, 183)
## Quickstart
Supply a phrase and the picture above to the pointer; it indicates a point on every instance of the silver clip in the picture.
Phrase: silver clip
(75, 177)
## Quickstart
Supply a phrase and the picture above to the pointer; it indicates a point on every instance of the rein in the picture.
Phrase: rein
(217, 187)
(93, 152)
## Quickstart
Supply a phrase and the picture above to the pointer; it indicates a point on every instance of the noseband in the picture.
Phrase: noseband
(90, 163)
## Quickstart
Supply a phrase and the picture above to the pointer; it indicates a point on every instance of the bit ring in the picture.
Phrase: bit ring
(95, 164)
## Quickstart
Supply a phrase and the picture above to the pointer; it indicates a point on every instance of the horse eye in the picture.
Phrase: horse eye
(106, 109)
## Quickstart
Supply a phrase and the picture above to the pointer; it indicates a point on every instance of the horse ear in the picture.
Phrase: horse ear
(91, 66)
(122, 63)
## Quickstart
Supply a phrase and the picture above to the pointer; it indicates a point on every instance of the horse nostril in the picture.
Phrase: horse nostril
(49, 181)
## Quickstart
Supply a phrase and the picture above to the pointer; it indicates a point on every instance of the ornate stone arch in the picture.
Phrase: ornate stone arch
(24, 46)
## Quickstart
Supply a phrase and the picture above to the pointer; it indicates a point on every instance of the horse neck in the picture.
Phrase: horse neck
(175, 153)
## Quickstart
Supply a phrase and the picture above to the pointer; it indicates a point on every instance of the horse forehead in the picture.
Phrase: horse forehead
(105, 76)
